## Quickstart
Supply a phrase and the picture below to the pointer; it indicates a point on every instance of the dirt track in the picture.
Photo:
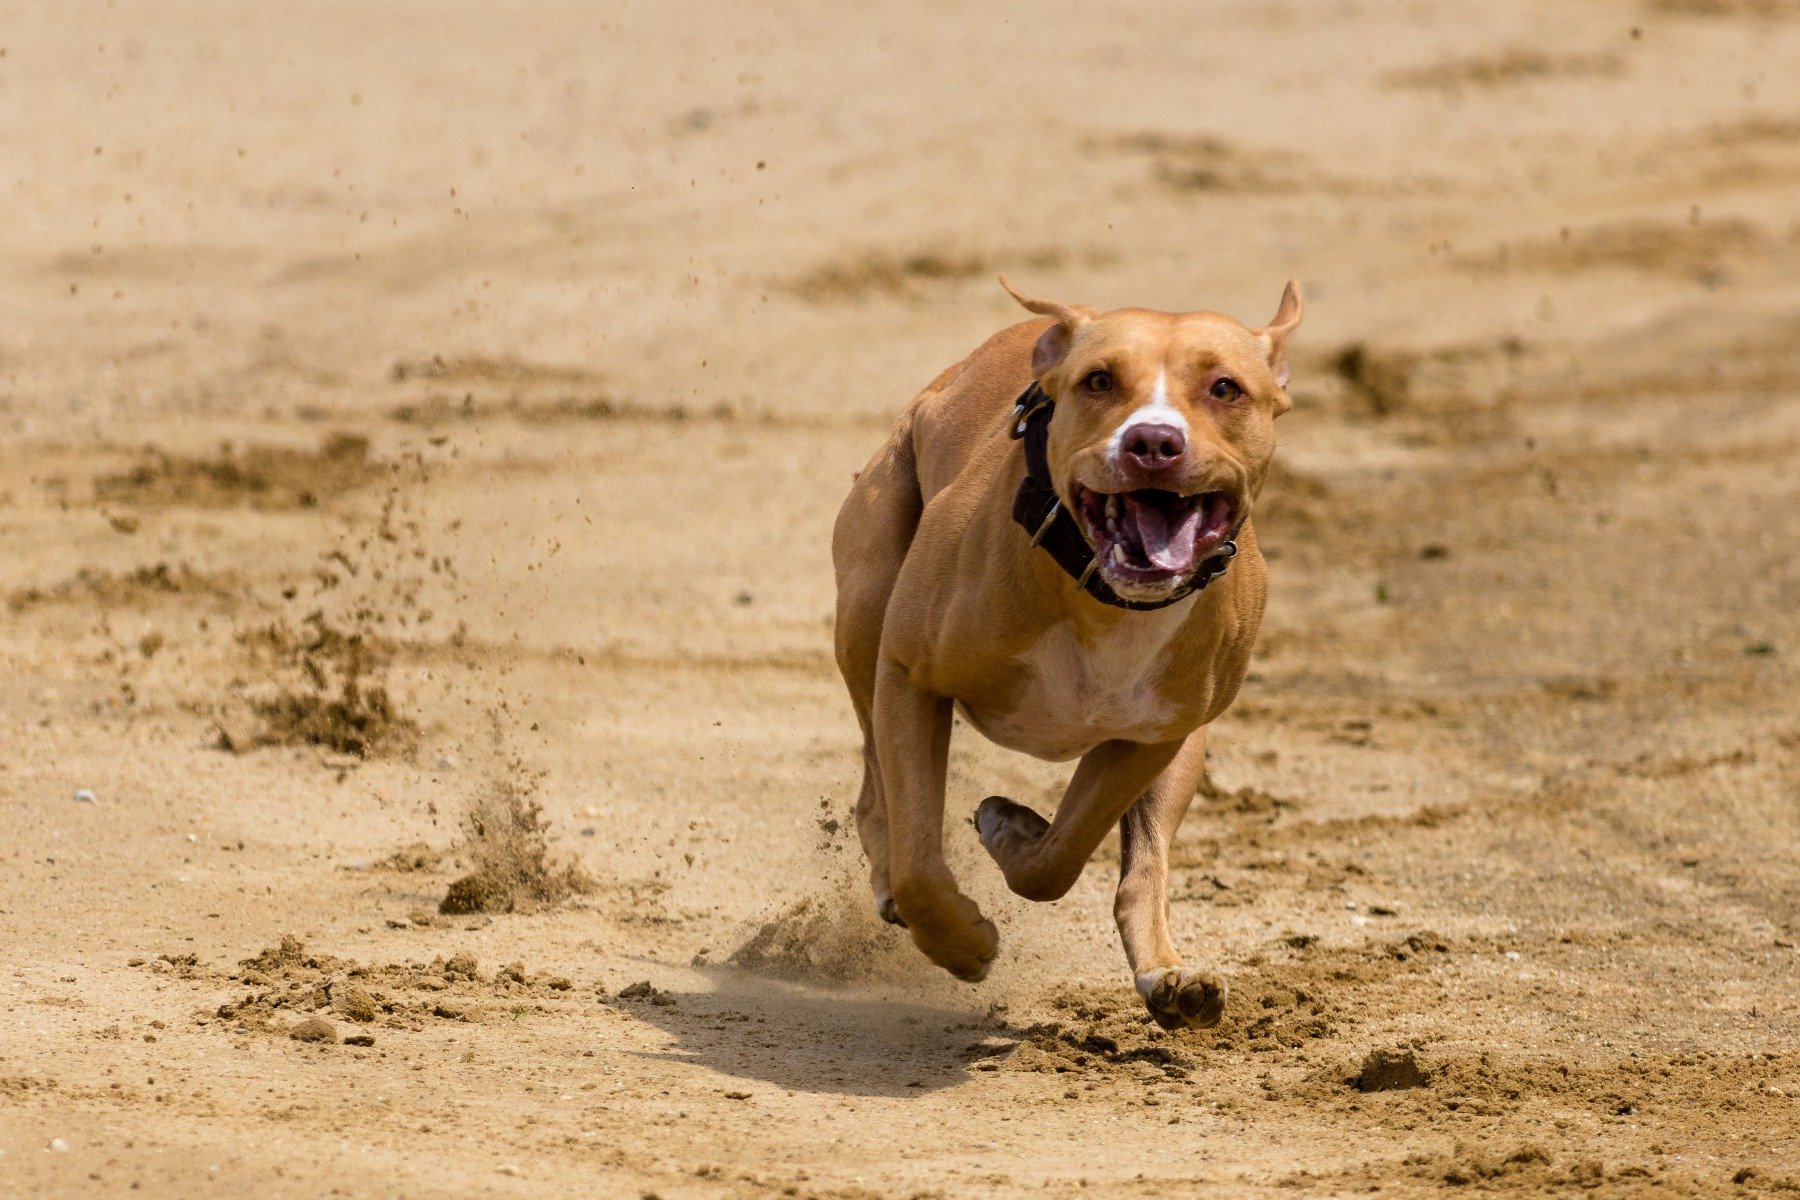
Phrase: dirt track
(533, 349)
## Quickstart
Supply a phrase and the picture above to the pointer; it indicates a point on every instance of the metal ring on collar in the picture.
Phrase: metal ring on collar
(1033, 399)
(1049, 519)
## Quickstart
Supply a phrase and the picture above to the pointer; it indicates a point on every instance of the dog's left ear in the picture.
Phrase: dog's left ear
(1275, 336)
(1053, 345)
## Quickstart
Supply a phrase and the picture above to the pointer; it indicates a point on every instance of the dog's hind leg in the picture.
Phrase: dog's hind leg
(1175, 996)
(874, 529)
(872, 831)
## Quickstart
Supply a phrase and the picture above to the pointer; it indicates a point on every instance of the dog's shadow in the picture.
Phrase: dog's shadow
(805, 1040)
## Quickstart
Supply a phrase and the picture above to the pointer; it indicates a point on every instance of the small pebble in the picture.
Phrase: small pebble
(58, 1145)
(84, 796)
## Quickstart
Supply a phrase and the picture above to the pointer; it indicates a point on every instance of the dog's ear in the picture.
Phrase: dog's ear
(1275, 335)
(1053, 345)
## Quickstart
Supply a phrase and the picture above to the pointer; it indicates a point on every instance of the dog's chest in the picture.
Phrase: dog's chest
(1077, 694)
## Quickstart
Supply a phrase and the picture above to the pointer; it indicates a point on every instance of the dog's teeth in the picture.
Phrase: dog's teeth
(1118, 554)
(1112, 509)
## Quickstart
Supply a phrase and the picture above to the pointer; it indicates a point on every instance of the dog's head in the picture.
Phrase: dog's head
(1163, 431)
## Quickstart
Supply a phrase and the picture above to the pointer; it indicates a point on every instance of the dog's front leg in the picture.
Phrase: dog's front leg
(1042, 859)
(1175, 995)
(912, 750)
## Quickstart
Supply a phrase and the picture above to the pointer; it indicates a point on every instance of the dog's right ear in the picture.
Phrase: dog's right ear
(1053, 346)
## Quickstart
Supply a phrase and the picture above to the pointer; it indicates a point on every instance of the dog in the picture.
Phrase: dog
(1056, 541)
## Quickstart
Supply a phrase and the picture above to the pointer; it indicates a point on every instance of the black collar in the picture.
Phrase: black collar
(1041, 512)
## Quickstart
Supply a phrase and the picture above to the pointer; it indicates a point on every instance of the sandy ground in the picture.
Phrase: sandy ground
(532, 347)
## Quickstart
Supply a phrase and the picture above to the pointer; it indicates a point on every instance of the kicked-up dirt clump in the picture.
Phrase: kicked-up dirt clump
(1391, 1070)
(331, 694)
(261, 477)
(513, 867)
(830, 938)
(289, 989)
(1082, 1048)
(322, 679)
(814, 941)
(412, 857)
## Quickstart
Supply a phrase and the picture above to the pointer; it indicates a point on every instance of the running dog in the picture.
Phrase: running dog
(1056, 542)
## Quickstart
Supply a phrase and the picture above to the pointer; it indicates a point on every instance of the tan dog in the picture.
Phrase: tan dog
(1051, 561)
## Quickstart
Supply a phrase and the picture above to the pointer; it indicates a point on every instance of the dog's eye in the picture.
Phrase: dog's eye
(1226, 390)
(1098, 381)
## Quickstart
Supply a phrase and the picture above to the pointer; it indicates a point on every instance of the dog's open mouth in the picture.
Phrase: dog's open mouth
(1150, 536)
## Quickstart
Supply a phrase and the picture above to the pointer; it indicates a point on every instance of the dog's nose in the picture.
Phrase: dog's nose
(1154, 447)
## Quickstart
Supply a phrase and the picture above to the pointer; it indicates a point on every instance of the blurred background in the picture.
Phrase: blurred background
(420, 430)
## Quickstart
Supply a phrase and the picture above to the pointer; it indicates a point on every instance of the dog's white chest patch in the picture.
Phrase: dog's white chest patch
(1077, 696)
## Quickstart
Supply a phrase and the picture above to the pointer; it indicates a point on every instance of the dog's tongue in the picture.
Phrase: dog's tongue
(1168, 545)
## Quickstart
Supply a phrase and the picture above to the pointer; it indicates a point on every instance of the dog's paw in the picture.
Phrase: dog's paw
(1007, 828)
(952, 933)
(1180, 998)
(970, 954)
